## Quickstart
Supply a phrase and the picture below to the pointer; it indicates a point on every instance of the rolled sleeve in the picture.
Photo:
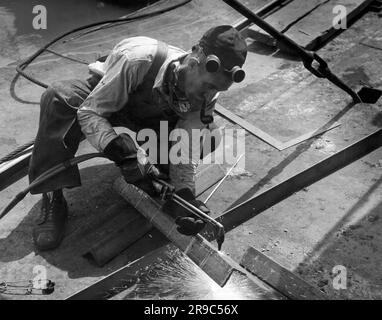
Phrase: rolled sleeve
(182, 174)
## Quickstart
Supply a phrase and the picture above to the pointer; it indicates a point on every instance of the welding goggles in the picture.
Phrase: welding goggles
(236, 74)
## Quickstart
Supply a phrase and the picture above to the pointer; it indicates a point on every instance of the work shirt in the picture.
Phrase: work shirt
(122, 72)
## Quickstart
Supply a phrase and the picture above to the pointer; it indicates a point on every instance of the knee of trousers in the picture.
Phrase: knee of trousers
(47, 94)
(47, 97)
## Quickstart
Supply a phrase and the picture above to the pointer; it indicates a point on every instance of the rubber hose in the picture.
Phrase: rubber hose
(47, 175)
(23, 65)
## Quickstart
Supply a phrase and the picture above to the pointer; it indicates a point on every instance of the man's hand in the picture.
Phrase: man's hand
(120, 149)
(188, 224)
(134, 170)
(147, 169)
(133, 162)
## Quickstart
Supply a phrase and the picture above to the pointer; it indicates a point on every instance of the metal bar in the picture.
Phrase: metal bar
(198, 249)
(263, 11)
(278, 277)
(257, 204)
(263, 136)
(222, 180)
(166, 187)
(253, 17)
(187, 205)
(306, 56)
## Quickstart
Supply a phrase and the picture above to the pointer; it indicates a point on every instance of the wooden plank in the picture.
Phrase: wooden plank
(125, 228)
(284, 18)
(279, 277)
(317, 27)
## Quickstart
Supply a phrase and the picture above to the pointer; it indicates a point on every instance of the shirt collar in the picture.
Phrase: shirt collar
(172, 57)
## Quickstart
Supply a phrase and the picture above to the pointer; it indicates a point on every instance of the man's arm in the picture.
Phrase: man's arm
(122, 76)
(183, 174)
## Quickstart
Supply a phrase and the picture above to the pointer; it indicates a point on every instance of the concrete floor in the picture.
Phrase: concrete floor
(336, 221)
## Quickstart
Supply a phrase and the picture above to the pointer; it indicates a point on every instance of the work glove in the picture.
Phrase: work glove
(188, 224)
(120, 149)
(133, 162)
(140, 168)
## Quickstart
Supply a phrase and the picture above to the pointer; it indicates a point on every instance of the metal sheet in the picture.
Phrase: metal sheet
(265, 137)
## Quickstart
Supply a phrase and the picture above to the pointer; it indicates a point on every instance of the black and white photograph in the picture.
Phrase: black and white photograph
(191, 156)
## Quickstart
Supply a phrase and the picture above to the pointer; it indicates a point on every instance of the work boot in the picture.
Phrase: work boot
(50, 228)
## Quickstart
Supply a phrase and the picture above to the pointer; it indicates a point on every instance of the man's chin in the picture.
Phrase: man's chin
(196, 102)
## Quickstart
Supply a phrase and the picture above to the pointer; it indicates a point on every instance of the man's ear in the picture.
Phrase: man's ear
(193, 61)
(195, 56)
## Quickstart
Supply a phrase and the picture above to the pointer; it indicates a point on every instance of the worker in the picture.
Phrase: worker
(141, 82)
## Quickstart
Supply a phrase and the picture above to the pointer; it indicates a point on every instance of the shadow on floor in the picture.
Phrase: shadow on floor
(88, 207)
(356, 247)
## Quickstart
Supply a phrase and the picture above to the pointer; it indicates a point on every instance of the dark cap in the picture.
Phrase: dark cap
(227, 44)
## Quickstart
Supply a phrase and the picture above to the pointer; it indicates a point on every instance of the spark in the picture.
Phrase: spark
(176, 277)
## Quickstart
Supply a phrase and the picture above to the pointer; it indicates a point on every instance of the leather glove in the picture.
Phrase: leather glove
(132, 161)
(139, 169)
(120, 149)
(188, 224)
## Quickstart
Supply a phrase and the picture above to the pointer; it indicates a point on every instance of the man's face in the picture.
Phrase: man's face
(201, 85)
